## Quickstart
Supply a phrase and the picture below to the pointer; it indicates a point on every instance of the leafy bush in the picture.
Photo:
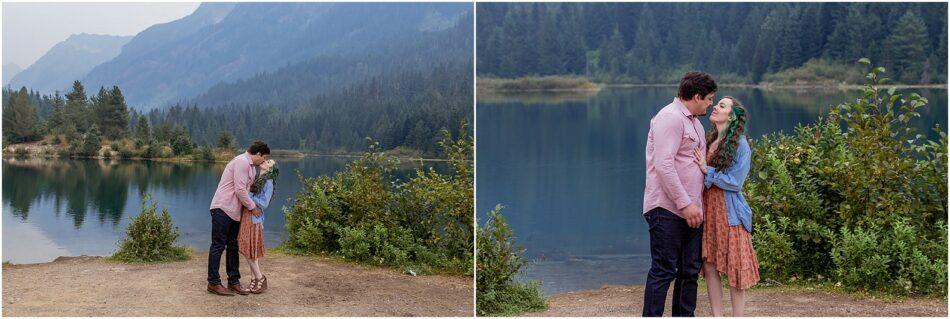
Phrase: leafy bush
(204, 154)
(151, 237)
(857, 197)
(126, 153)
(817, 71)
(499, 260)
(534, 83)
(363, 213)
(21, 152)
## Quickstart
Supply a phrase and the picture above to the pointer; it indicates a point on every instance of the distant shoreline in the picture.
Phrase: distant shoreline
(39, 151)
(766, 86)
(570, 83)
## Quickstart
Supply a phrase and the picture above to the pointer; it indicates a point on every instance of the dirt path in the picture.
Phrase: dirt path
(618, 301)
(298, 286)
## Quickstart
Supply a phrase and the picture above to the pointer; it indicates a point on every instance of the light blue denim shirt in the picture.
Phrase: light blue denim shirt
(262, 199)
(730, 181)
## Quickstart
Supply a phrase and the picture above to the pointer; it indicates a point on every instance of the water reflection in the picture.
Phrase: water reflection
(82, 207)
(570, 172)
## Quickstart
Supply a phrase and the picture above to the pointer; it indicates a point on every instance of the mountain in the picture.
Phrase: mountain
(222, 42)
(10, 70)
(68, 61)
(297, 83)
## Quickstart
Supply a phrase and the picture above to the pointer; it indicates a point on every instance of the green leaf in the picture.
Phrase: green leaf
(865, 61)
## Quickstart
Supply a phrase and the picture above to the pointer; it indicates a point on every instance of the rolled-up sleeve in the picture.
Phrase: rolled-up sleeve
(668, 136)
(732, 178)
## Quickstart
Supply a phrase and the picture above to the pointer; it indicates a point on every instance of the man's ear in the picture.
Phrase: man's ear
(695, 97)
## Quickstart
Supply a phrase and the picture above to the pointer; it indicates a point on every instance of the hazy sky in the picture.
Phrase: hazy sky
(30, 29)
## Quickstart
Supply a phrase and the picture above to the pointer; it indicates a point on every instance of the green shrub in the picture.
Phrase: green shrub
(159, 150)
(499, 260)
(818, 71)
(535, 83)
(21, 152)
(857, 197)
(126, 153)
(204, 154)
(363, 213)
(151, 237)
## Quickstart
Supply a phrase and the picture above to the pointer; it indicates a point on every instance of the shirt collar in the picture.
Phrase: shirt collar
(682, 107)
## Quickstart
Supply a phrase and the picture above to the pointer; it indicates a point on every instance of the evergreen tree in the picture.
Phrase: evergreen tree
(114, 116)
(92, 142)
(612, 53)
(645, 42)
(20, 122)
(908, 43)
(225, 140)
(58, 116)
(142, 131)
(77, 107)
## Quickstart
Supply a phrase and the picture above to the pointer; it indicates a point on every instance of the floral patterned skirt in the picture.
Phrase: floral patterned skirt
(729, 248)
(250, 237)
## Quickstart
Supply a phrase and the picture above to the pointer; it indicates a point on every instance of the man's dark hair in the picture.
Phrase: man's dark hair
(695, 82)
(258, 147)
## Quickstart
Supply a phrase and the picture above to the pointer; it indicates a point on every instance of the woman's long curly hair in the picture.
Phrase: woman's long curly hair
(722, 157)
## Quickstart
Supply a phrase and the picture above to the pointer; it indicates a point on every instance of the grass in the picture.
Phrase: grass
(818, 285)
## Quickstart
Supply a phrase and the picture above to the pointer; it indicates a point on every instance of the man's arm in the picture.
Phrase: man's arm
(668, 135)
(241, 177)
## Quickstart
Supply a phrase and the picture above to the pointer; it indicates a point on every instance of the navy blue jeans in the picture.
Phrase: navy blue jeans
(224, 234)
(676, 250)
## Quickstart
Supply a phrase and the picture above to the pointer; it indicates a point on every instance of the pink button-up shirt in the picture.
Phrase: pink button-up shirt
(233, 187)
(673, 180)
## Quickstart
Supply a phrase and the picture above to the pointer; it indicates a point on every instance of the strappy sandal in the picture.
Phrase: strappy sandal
(252, 286)
(261, 285)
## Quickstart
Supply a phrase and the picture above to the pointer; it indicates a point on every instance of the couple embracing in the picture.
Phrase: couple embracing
(237, 217)
(699, 220)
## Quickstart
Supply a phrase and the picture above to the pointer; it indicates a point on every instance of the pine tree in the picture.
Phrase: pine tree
(114, 115)
(77, 107)
(612, 54)
(645, 42)
(20, 122)
(58, 116)
(92, 142)
(142, 131)
(908, 44)
(225, 140)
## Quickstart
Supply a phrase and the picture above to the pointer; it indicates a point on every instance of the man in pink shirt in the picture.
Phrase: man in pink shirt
(226, 207)
(672, 198)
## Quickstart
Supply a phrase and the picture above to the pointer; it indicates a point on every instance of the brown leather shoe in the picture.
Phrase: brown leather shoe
(219, 290)
(238, 289)
(261, 285)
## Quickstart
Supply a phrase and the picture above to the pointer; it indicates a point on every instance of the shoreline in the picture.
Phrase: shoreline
(299, 286)
(9, 152)
(784, 301)
(585, 85)
(767, 86)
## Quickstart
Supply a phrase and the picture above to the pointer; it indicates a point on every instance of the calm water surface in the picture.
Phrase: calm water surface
(55, 208)
(570, 172)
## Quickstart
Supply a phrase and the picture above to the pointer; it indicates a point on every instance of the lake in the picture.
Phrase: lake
(569, 170)
(55, 207)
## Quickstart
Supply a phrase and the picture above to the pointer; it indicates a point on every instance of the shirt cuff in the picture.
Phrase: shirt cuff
(682, 202)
